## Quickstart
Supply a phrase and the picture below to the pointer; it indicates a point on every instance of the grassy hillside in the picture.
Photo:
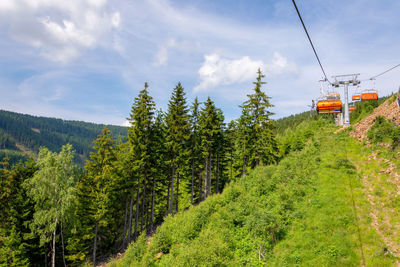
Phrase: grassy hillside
(331, 202)
(22, 135)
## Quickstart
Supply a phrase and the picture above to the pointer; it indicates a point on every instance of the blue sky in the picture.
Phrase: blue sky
(88, 59)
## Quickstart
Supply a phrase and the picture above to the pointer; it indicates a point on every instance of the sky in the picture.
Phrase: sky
(88, 59)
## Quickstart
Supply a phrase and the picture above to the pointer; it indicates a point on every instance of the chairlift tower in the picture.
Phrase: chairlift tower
(345, 81)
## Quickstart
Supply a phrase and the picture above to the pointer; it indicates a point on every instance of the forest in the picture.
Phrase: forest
(21, 136)
(56, 213)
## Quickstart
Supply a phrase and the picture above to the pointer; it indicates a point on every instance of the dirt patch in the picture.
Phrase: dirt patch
(25, 150)
(389, 111)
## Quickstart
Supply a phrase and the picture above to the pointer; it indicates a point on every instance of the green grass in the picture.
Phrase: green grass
(311, 209)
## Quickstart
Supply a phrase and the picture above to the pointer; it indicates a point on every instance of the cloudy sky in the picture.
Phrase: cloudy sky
(88, 59)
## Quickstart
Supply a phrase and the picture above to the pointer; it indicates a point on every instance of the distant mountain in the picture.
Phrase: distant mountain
(22, 135)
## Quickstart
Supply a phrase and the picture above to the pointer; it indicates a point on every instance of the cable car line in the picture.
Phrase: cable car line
(374, 77)
(309, 38)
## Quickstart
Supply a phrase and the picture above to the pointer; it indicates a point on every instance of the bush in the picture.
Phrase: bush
(384, 131)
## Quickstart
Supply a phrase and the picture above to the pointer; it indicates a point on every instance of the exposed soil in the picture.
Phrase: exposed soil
(389, 111)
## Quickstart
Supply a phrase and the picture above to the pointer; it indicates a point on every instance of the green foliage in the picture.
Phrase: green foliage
(256, 143)
(177, 137)
(297, 213)
(223, 231)
(365, 108)
(33, 132)
(292, 121)
(52, 188)
(384, 131)
(18, 247)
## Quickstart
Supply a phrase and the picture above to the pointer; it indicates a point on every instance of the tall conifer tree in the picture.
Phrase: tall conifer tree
(178, 127)
(102, 183)
(209, 129)
(140, 141)
(257, 139)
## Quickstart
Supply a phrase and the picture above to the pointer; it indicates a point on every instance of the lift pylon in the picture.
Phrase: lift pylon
(345, 81)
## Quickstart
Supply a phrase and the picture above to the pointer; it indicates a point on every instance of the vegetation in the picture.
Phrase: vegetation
(364, 108)
(183, 188)
(21, 136)
(310, 209)
(166, 163)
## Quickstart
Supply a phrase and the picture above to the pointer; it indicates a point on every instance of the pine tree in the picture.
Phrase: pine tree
(178, 126)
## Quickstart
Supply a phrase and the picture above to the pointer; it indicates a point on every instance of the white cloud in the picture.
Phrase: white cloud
(61, 30)
(217, 71)
(162, 55)
(161, 58)
(126, 124)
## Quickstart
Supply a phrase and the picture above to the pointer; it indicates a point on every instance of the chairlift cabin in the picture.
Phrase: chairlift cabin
(329, 106)
(367, 95)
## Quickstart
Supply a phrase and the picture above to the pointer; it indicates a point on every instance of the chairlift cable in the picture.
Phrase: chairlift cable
(309, 38)
(374, 77)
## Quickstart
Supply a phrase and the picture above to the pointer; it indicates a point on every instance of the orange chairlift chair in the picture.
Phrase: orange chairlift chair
(329, 106)
(369, 94)
(352, 107)
(356, 96)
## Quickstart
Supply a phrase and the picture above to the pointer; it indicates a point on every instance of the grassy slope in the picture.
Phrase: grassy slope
(311, 209)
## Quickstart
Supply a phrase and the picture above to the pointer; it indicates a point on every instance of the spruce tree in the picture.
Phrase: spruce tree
(255, 126)
(101, 183)
(141, 150)
(209, 129)
(178, 127)
(195, 152)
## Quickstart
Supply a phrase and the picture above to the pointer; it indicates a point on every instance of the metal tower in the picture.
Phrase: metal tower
(345, 81)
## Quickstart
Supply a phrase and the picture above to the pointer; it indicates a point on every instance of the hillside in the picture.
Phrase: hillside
(22, 135)
(332, 201)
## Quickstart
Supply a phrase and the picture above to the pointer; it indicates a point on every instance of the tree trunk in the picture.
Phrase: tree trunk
(172, 188)
(209, 175)
(217, 189)
(191, 196)
(129, 237)
(206, 178)
(200, 180)
(62, 244)
(95, 244)
(231, 168)
(177, 193)
(169, 189)
(153, 196)
(244, 162)
(137, 210)
(143, 207)
(125, 223)
(53, 256)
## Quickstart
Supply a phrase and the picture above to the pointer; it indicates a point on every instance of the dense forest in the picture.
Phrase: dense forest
(57, 213)
(21, 136)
